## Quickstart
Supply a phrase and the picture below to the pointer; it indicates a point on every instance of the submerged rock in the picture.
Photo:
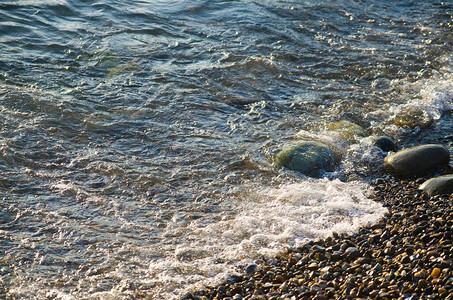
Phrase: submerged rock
(240, 102)
(308, 157)
(412, 117)
(347, 130)
(124, 68)
(385, 144)
(438, 185)
(417, 160)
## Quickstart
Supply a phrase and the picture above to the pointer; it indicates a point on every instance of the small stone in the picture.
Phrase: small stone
(307, 157)
(417, 160)
(352, 252)
(236, 289)
(267, 285)
(385, 144)
(317, 248)
(279, 279)
(404, 259)
(422, 283)
(438, 185)
(435, 273)
(315, 288)
(336, 255)
(365, 244)
(251, 268)
(373, 238)
(363, 260)
(221, 290)
(436, 281)
(420, 274)
(390, 250)
(378, 267)
(234, 279)
(409, 249)
(313, 266)
(319, 256)
(344, 246)
(389, 276)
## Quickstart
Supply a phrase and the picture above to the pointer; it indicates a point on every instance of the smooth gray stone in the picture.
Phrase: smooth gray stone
(417, 160)
(440, 185)
(308, 157)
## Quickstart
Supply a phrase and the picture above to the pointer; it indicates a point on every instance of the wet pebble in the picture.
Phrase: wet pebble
(417, 160)
(385, 143)
(251, 268)
(352, 252)
(438, 185)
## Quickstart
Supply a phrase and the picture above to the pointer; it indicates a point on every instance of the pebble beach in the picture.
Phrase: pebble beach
(406, 255)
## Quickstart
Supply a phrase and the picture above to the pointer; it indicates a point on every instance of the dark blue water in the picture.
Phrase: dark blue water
(137, 137)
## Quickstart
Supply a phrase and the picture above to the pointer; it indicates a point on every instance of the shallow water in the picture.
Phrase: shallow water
(137, 137)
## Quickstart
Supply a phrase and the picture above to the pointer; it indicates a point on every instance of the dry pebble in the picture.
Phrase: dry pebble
(406, 255)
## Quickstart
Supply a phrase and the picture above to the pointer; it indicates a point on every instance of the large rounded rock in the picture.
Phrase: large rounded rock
(309, 158)
(438, 185)
(417, 160)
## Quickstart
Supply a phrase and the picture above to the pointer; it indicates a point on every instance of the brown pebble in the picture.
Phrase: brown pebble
(422, 283)
(279, 279)
(421, 274)
(435, 273)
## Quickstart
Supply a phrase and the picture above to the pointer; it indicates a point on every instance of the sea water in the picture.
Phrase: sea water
(137, 137)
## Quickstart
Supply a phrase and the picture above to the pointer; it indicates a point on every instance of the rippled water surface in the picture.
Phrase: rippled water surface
(137, 137)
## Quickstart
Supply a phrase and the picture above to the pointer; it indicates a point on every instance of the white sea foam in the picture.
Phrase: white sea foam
(265, 223)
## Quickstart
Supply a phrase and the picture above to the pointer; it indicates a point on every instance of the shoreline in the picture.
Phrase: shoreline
(407, 254)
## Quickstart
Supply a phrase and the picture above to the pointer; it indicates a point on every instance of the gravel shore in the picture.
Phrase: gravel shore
(406, 255)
